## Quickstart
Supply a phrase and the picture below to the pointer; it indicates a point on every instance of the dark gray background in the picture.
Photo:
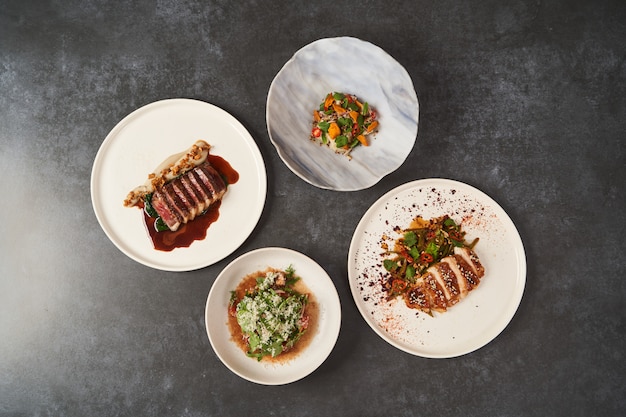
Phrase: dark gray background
(524, 100)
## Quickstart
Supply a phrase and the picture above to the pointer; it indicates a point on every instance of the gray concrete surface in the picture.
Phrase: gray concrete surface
(524, 100)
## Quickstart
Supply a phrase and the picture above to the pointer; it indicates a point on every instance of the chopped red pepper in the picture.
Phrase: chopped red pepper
(304, 322)
(355, 130)
(406, 255)
(456, 235)
(398, 285)
(316, 132)
(430, 234)
(426, 258)
(232, 309)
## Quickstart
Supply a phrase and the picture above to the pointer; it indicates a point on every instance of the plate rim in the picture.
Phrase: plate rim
(281, 151)
(109, 140)
(520, 271)
(334, 319)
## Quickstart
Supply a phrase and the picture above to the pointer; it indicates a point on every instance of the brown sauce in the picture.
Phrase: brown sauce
(247, 284)
(197, 228)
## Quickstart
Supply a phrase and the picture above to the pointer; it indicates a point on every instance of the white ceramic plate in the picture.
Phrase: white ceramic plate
(347, 65)
(317, 281)
(475, 320)
(146, 137)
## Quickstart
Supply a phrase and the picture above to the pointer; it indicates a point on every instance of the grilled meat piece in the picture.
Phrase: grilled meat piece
(186, 197)
(447, 282)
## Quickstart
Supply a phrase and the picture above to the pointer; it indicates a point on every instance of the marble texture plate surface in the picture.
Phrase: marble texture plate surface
(348, 65)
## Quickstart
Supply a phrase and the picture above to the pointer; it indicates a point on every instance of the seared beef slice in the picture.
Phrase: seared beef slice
(188, 196)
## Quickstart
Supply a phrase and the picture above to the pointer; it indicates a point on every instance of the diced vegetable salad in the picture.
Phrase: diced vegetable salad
(342, 122)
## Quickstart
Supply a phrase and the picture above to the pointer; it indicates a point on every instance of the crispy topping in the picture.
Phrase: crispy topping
(169, 169)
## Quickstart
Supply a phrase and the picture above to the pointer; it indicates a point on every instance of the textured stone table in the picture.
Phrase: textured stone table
(523, 100)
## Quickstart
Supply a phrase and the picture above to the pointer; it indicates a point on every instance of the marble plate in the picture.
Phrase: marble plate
(352, 66)
(326, 329)
(474, 321)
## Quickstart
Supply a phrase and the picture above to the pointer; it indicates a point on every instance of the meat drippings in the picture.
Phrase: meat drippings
(188, 233)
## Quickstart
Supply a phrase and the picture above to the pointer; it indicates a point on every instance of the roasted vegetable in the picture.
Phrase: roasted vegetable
(342, 122)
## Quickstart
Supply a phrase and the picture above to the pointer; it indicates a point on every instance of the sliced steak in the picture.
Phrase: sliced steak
(199, 202)
(188, 196)
(212, 180)
(176, 202)
(169, 215)
(186, 199)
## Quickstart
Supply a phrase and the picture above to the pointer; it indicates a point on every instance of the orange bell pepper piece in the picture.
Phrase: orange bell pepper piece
(338, 109)
(372, 126)
(363, 140)
(333, 130)
(329, 100)
(354, 116)
(316, 116)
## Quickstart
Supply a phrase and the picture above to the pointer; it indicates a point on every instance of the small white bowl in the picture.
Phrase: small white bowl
(347, 65)
(326, 331)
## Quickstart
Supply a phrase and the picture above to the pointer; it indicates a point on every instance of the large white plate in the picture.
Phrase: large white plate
(317, 281)
(146, 137)
(352, 66)
(478, 318)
